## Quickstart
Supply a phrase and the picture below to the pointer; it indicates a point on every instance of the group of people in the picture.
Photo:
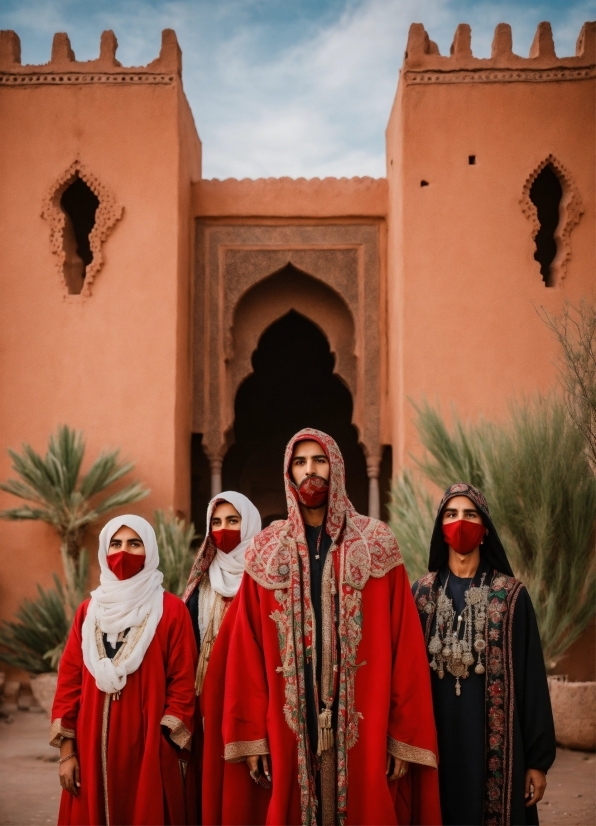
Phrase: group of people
(301, 680)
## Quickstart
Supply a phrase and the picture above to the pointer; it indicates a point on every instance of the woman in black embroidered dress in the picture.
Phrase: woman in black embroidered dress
(490, 694)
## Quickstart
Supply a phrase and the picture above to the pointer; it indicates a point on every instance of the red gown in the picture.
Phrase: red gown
(380, 683)
(145, 781)
(226, 787)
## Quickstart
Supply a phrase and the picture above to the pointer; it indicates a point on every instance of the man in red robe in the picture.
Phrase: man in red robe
(123, 714)
(327, 694)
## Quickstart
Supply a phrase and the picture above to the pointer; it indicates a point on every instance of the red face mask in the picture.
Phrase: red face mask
(226, 539)
(313, 491)
(125, 565)
(464, 536)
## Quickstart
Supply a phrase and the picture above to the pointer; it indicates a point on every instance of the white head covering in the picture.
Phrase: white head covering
(225, 571)
(135, 603)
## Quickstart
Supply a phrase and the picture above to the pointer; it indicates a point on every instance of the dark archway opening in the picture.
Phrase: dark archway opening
(79, 205)
(546, 193)
(292, 387)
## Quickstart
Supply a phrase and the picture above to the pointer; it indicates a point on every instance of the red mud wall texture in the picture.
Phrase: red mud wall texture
(114, 360)
(463, 284)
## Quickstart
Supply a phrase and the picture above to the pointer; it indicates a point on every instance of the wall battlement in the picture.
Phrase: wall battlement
(64, 69)
(423, 62)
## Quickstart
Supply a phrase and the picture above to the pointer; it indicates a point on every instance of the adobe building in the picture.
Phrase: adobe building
(196, 324)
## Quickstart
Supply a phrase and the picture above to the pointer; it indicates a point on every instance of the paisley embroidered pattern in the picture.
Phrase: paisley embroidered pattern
(350, 634)
(200, 566)
(283, 620)
(500, 700)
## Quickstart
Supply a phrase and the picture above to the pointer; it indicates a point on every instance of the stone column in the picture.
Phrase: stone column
(373, 466)
(216, 486)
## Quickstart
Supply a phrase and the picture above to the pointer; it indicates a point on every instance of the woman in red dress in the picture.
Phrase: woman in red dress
(123, 715)
(232, 522)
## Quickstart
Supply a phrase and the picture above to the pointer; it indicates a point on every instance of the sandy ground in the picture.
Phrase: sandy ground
(29, 788)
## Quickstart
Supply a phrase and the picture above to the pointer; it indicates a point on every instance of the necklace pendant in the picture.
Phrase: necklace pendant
(457, 687)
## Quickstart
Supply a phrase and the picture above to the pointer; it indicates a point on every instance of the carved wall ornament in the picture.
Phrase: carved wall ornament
(570, 211)
(107, 214)
(525, 75)
(28, 78)
(250, 275)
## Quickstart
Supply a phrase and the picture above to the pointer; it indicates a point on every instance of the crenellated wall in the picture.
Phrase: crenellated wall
(466, 139)
(113, 359)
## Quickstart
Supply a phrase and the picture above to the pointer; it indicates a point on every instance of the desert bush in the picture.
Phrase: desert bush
(36, 639)
(541, 491)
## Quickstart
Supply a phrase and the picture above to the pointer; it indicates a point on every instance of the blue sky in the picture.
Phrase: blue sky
(286, 87)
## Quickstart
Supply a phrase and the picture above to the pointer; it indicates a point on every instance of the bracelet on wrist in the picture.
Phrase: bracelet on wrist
(68, 756)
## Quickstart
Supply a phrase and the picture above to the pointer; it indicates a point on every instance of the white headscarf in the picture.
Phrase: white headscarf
(135, 603)
(225, 571)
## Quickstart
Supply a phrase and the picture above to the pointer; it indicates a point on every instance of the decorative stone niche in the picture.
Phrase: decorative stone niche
(250, 276)
(552, 203)
(81, 212)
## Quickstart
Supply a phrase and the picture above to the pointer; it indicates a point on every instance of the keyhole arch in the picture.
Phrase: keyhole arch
(552, 217)
(74, 242)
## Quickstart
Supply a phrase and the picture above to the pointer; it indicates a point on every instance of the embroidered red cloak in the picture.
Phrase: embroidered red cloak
(381, 683)
(121, 741)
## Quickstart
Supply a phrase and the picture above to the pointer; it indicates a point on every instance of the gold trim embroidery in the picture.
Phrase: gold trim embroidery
(239, 751)
(283, 621)
(178, 731)
(412, 754)
(104, 752)
(58, 734)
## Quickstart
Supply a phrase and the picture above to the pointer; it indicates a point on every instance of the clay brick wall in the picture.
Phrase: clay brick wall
(113, 361)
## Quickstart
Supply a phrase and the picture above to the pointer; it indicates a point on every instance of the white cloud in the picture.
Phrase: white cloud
(284, 94)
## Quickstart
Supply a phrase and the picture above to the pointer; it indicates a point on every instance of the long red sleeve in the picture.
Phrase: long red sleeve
(67, 701)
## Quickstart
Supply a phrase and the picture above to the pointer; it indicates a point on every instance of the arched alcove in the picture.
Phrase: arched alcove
(292, 386)
(552, 203)
(248, 277)
(272, 298)
(79, 205)
(81, 212)
(546, 193)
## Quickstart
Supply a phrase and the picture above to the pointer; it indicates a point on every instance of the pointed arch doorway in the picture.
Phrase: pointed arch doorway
(292, 386)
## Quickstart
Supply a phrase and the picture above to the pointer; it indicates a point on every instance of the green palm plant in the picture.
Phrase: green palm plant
(67, 499)
(175, 542)
(542, 494)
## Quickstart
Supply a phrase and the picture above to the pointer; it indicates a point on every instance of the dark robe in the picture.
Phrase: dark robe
(318, 546)
(502, 724)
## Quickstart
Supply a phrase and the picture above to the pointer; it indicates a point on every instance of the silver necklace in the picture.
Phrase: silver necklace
(449, 651)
